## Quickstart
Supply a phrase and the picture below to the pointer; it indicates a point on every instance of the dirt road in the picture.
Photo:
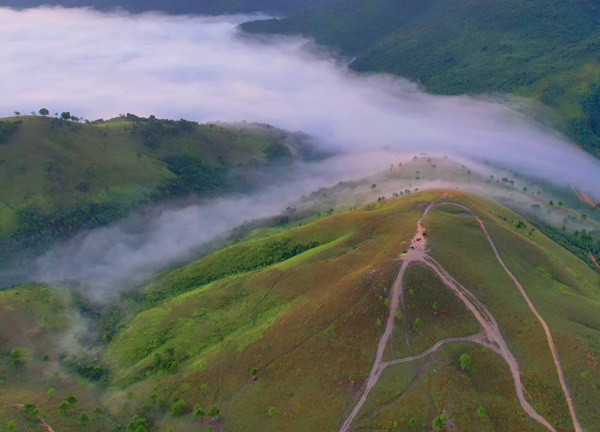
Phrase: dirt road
(489, 336)
(20, 406)
(541, 320)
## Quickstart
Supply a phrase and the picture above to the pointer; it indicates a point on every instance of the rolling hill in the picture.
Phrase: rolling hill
(280, 330)
(58, 177)
(545, 49)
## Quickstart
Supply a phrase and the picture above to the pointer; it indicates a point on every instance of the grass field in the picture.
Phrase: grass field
(563, 288)
(305, 308)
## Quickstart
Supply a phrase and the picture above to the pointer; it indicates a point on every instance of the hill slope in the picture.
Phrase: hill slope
(547, 49)
(303, 311)
(57, 177)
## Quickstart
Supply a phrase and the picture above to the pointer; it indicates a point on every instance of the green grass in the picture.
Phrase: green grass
(452, 318)
(414, 394)
(58, 177)
(44, 324)
(563, 288)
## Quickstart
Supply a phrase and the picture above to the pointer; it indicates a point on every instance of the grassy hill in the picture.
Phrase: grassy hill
(546, 49)
(57, 176)
(279, 330)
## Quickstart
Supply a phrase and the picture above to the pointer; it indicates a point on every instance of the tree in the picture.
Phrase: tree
(271, 411)
(551, 203)
(253, 373)
(417, 324)
(214, 411)
(138, 424)
(84, 418)
(439, 423)
(466, 362)
(480, 411)
(66, 115)
(30, 409)
(198, 412)
(11, 425)
(65, 407)
(179, 408)
(435, 306)
(71, 399)
(17, 113)
(16, 358)
(44, 112)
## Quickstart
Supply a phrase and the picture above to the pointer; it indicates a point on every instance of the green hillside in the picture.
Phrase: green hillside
(547, 49)
(57, 176)
(278, 331)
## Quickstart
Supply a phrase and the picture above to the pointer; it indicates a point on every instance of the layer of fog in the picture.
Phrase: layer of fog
(100, 65)
(111, 259)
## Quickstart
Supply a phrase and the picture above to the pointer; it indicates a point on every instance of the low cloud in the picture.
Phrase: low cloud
(99, 65)
(103, 64)
(113, 258)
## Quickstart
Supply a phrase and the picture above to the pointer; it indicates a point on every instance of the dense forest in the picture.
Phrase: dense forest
(546, 49)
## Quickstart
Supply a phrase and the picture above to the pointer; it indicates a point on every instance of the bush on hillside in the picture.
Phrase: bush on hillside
(7, 129)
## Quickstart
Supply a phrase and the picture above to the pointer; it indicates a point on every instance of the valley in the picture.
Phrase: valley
(304, 215)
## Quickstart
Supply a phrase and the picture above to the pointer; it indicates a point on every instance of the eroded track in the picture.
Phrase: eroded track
(490, 334)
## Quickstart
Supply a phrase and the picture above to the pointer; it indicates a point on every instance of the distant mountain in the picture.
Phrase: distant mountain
(548, 49)
(208, 7)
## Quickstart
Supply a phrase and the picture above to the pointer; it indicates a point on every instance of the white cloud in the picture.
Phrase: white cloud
(100, 65)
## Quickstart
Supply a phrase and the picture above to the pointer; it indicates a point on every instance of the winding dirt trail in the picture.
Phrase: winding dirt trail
(416, 252)
(45, 426)
(541, 320)
(477, 338)
(489, 336)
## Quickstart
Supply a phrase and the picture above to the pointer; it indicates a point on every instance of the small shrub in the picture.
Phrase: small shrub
(84, 418)
(16, 358)
(179, 408)
(138, 424)
(65, 407)
(30, 409)
(466, 362)
(439, 423)
(214, 411)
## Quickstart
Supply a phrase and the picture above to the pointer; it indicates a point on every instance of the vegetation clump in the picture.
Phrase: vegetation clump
(466, 362)
(7, 129)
